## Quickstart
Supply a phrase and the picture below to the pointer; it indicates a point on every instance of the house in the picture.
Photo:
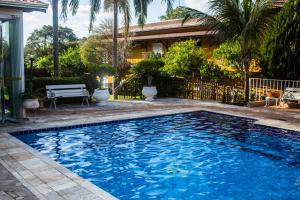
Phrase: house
(12, 55)
(159, 36)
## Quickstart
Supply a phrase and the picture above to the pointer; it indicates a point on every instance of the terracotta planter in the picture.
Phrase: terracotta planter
(149, 92)
(31, 104)
(273, 94)
(101, 96)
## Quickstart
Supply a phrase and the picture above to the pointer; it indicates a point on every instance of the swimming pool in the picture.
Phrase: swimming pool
(199, 155)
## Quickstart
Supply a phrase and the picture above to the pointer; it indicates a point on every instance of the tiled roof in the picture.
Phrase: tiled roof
(25, 5)
(167, 24)
(279, 3)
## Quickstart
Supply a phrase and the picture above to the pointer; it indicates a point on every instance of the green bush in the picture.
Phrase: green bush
(280, 50)
(101, 70)
(148, 68)
(184, 59)
(212, 71)
(71, 64)
(229, 53)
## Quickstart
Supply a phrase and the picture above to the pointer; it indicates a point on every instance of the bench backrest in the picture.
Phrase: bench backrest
(289, 89)
(72, 90)
(292, 93)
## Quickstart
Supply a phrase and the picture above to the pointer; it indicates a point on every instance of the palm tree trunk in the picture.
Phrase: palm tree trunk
(55, 37)
(246, 65)
(115, 48)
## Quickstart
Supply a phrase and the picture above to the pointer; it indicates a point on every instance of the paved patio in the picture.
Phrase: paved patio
(37, 175)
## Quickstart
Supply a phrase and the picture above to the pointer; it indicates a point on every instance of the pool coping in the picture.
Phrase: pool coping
(34, 171)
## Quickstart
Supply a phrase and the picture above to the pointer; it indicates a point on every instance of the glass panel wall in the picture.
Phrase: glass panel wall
(10, 69)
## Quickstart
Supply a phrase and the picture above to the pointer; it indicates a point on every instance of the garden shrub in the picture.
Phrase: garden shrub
(184, 59)
(280, 51)
(148, 68)
(70, 63)
(229, 54)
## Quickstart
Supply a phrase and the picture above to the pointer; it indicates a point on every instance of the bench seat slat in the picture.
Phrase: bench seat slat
(71, 86)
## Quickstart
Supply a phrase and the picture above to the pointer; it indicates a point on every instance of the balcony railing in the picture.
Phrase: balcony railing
(259, 87)
(146, 55)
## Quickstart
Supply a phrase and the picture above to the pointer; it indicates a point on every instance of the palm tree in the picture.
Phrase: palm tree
(116, 6)
(245, 21)
(55, 36)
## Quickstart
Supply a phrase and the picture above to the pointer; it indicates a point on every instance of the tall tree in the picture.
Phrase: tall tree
(55, 36)
(280, 50)
(243, 20)
(116, 6)
(40, 41)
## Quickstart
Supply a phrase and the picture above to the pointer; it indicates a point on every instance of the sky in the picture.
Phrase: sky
(80, 22)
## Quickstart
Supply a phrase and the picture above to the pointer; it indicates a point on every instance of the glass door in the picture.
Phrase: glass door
(2, 106)
(4, 62)
(11, 68)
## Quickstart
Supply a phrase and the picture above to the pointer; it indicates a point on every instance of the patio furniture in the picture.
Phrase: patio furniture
(268, 99)
(291, 95)
(67, 91)
(274, 95)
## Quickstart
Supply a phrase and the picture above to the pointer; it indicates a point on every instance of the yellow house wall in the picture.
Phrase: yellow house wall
(135, 54)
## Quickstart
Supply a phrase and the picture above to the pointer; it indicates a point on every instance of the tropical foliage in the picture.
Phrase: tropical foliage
(280, 51)
(245, 21)
(228, 54)
(184, 59)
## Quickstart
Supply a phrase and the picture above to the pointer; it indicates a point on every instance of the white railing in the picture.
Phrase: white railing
(259, 87)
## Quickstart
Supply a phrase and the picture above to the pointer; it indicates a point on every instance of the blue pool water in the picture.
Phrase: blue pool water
(197, 155)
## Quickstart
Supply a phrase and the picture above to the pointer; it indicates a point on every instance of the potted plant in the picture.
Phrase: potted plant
(101, 94)
(31, 99)
(147, 69)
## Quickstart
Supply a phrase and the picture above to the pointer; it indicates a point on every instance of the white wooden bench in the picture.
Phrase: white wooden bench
(67, 91)
(291, 94)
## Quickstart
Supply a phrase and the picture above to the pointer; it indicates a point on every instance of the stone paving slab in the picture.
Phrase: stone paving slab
(11, 188)
(46, 179)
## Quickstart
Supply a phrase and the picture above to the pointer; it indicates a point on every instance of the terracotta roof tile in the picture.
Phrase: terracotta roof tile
(26, 5)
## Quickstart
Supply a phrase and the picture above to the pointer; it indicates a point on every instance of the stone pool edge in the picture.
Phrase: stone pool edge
(35, 170)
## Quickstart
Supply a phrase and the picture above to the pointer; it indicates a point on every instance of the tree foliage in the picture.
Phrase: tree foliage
(280, 51)
(40, 41)
(177, 13)
(243, 20)
(91, 51)
(148, 68)
(70, 63)
(184, 59)
(229, 54)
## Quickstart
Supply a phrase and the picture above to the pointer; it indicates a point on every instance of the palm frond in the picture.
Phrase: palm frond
(169, 4)
(108, 5)
(140, 7)
(259, 21)
(64, 9)
(124, 7)
(74, 5)
(95, 6)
